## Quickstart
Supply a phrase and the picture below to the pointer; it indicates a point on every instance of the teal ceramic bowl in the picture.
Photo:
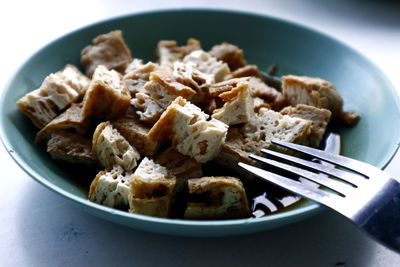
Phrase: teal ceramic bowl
(265, 40)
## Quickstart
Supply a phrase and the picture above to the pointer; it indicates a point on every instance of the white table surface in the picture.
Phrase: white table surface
(40, 228)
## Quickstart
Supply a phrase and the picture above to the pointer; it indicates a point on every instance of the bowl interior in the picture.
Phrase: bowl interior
(296, 50)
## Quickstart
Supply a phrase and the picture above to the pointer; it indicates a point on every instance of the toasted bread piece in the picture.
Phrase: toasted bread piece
(152, 190)
(319, 118)
(258, 133)
(107, 97)
(69, 147)
(108, 50)
(168, 52)
(230, 54)
(272, 97)
(111, 188)
(208, 64)
(135, 132)
(51, 98)
(111, 148)
(238, 105)
(70, 119)
(217, 198)
(179, 165)
(189, 130)
(318, 93)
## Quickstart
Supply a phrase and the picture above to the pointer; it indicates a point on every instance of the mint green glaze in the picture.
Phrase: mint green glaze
(296, 49)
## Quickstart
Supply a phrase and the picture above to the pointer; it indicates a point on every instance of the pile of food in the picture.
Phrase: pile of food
(150, 128)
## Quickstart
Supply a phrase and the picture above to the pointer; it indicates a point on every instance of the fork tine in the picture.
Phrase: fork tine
(339, 187)
(307, 191)
(348, 177)
(351, 164)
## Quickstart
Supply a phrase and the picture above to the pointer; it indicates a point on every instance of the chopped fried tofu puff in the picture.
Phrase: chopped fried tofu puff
(70, 119)
(230, 54)
(148, 109)
(228, 85)
(111, 188)
(319, 118)
(271, 96)
(111, 148)
(217, 198)
(183, 167)
(190, 131)
(74, 78)
(258, 133)
(44, 104)
(168, 52)
(161, 90)
(187, 74)
(152, 190)
(238, 107)
(108, 50)
(135, 132)
(137, 74)
(107, 96)
(259, 103)
(318, 93)
(246, 71)
(206, 63)
(65, 146)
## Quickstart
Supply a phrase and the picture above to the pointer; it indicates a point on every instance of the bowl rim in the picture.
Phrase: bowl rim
(305, 210)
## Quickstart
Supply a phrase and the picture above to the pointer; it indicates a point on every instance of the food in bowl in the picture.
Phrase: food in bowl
(152, 130)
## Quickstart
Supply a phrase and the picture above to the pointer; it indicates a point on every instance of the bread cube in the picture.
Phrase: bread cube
(147, 108)
(108, 50)
(107, 97)
(137, 74)
(319, 118)
(230, 54)
(69, 147)
(208, 64)
(179, 165)
(238, 105)
(111, 188)
(152, 190)
(189, 130)
(216, 198)
(111, 148)
(135, 132)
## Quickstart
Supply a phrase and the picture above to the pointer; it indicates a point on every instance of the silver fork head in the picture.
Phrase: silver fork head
(372, 201)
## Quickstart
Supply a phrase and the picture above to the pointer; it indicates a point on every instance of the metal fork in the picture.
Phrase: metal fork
(366, 195)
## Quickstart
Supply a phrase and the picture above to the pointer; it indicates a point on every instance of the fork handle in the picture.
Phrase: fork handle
(383, 224)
